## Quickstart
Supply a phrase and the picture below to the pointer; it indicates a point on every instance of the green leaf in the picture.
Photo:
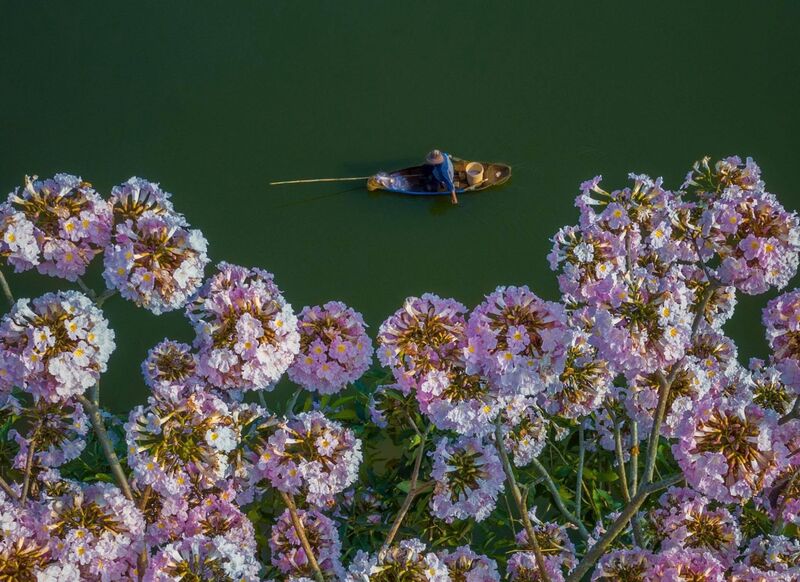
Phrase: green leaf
(608, 476)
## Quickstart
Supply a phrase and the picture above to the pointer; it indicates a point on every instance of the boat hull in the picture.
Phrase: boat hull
(419, 180)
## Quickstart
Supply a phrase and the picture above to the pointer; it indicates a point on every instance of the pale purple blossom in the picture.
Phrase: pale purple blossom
(98, 530)
(182, 442)
(57, 225)
(59, 429)
(335, 349)
(773, 558)
(404, 560)
(170, 366)
(524, 429)
(458, 401)
(522, 567)
(629, 565)
(287, 551)
(203, 558)
(464, 565)
(56, 346)
(727, 448)
(468, 478)
(422, 336)
(756, 239)
(246, 332)
(155, 259)
(682, 565)
(312, 454)
(781, 318)
(518, 340)
(642, 322)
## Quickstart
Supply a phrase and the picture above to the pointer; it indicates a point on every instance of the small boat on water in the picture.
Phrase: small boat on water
(419, 180)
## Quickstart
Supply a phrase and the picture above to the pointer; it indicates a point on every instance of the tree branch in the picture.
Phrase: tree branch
(6, 290)
(618, 526)
(523, 510)
(301, 533)
(413, 491)
(105, 442)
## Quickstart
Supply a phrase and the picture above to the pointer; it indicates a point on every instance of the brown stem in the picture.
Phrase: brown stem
(7, 488)
(301, 533)
(143, 556)
(413, 491)
(520, 502)
(655, 431)
(105, 442)
(618, 526)
(26, 483)
(6, 289)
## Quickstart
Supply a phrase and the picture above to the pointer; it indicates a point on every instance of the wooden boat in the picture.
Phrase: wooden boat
(419, 180)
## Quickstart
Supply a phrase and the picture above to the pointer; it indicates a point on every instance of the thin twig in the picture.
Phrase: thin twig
(143, 555)
(105, 296)
(623, 478)
(86, 289)
(6, 289)
(301, 533)
(655, 430)
(618, 526)
(581, 459)
(292, 403)
(413, 491)
(792, 414)
(551, 486)
(26, 483)
(100, 431)
(7, 488)
(517, 496)
(626, 492)
(94, 393)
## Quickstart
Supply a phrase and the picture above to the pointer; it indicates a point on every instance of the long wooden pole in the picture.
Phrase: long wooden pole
(312, 180)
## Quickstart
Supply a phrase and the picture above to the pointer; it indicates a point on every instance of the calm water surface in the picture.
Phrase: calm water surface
(214, 100)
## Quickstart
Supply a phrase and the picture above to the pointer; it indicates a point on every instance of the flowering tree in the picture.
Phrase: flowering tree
(610, 435)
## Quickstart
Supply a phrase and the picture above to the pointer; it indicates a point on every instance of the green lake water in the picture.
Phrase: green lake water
(216, 99)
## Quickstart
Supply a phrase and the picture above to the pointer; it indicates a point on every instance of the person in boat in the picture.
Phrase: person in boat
(442, 170)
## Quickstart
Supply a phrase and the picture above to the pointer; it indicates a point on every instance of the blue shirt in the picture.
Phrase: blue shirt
(444, 173)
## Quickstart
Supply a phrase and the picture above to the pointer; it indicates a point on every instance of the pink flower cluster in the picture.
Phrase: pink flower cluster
(155, 259)
(406, 560)
(57, 225)
(469, 477)
(202, 558)
(180, 443)
(518, 340)
(55, 346)
(310, 454)
(423, 336)
(246, 331)
(756, 240)
(335, 349)
(782, 322)
(288, 554)
(728, 449)
(96, 529)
